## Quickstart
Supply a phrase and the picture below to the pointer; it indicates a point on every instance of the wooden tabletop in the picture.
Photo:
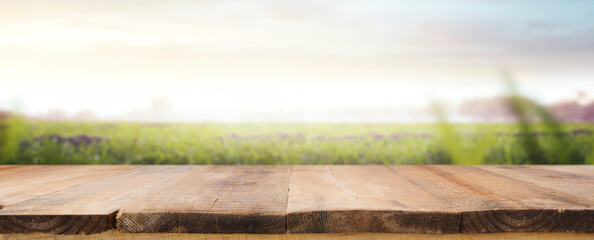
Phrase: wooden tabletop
(296, 199)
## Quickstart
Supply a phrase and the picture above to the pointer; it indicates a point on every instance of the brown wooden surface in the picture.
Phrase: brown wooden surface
(214, 199)
(490, 202)
(587, 170)
(363, 199)
(296, 199)
(115, 235)
(86, 208)
(24, 185)
(12, 169)
(572, 183)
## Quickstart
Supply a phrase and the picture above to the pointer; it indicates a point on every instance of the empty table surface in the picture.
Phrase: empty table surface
(296, 199)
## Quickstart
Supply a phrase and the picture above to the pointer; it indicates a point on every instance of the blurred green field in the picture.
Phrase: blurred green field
(27, 142)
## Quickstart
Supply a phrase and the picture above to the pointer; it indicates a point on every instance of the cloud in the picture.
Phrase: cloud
(390, 44)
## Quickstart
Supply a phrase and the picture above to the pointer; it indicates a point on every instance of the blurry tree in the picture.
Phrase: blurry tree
(568, 111)
(499, 109)
(56, 115)
(495, 109)
(84, 115)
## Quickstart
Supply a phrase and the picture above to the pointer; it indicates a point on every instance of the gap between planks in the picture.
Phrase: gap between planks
(453, 178)
(91, 207)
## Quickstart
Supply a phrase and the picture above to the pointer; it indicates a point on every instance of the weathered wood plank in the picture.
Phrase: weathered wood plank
(325, 199)
(24, 185)
(567, 182)
(257, 199)
(86, 208)
(214, 199)
(12, 169)
(115, 235)
(491, 202)
(586, 170)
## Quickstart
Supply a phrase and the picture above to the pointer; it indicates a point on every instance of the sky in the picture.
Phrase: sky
(286, 60)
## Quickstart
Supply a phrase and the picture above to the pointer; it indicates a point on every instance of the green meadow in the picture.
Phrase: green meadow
(29, 142)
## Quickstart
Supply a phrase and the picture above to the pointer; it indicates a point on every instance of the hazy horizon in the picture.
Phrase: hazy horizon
(225, 60)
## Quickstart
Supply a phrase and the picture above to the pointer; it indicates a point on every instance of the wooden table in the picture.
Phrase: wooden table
(356, 202)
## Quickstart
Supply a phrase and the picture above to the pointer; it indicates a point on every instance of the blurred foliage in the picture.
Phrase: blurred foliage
(536, 138)
(528, 111)
(11, 129)
(480, 148)
(460, 149)
(297, 143)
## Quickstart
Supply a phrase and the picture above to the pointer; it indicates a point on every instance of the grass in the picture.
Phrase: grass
(536, 138)
(297, 143)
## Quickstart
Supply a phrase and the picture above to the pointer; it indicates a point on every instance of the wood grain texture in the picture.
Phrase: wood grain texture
(214, 199)
(586, 170)
(115, 235)
(86, 208)
(11, 169)
(549, 177)
(325, 199)
(25, 185)
(297, 199)
(491, 202)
